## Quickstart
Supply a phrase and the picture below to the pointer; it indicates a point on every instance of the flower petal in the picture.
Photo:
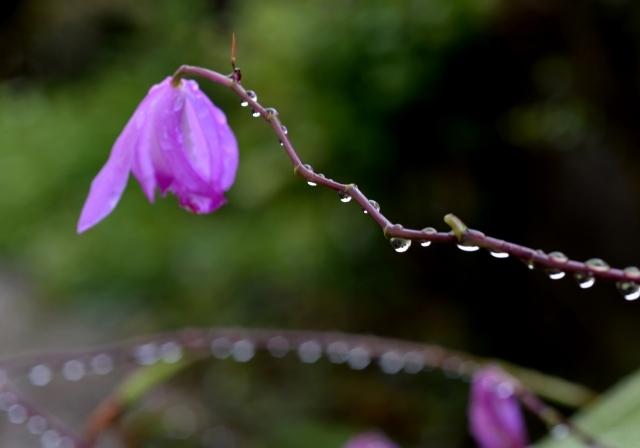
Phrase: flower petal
(495, 419)
(221, 142)
(197, 203)
(148, 165)
(108, 185)
(171, 127)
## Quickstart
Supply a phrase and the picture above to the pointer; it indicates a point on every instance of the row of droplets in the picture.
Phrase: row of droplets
(339, 352)
(358, 358)
(629, 289)
(36, 424)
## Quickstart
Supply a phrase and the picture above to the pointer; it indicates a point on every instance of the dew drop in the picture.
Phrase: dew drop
(40, 375)
(428, 231)
(413, 362)
(178, 103)
(102, 364)
(374, 204)
(285, 130)
(147, 354)
(344, 197)
(468, 248)
(17, 414)
(560, 431)
(400, 244)
(309, 352)
(50, 439)
(73, 370)
(278, 346)
(244, 103)
(555, 274)
(597, 264)
(255, 113)
(358, 358)
(391, 362)
(37, 424)
(252, 95)
(499, 254)
(243, 351)
(584, 280)
(309, 168)
(632, 272)
(271, 112)
(629, 290)
(170, 352)
(558, 257)
(338, 352)
(221, 348)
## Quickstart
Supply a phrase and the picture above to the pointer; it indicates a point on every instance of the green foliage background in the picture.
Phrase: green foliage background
(520, 119)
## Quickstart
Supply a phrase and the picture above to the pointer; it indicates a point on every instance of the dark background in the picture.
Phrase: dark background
(521, 117)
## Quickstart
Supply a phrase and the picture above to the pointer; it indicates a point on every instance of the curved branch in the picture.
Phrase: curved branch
(555, 263)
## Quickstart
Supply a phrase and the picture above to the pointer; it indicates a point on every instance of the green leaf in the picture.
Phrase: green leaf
(613, 419)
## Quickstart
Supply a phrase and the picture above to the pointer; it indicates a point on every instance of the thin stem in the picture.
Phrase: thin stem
(553, 418)
(11, 394)
(466, 237)
(420, 356)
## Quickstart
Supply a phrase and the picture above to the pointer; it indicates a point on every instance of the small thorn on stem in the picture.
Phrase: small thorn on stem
(237, 74)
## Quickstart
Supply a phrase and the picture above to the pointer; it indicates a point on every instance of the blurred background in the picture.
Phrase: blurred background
(521, 117)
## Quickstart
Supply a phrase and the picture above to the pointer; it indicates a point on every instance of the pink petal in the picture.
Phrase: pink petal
(171, 125)
(495, 421)
(107, 187)
(199, 204)
(220, 140)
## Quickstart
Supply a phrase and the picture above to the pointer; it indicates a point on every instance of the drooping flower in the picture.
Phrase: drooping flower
(177, 141)
(495, 417)
(370, 439)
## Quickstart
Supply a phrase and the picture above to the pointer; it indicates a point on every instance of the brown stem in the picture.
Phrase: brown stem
(12, 394)
(468, 237)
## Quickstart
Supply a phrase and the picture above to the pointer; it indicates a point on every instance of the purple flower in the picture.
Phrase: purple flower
(495, 418)
(176, 141)
(370, 440)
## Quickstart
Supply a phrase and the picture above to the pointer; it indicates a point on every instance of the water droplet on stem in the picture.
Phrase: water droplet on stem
(597, 265)
(584, 279)
(468, 248)
(374, 204)
(400, 244)
(632, 272)
(555, 274)
(344, 197)
(252, 95)
(558, 257)
(499, 254)
(629, 290)
(428, 231)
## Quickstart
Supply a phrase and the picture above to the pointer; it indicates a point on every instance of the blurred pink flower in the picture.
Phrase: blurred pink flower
(177, 141)
(495, 417)
(370, 440)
